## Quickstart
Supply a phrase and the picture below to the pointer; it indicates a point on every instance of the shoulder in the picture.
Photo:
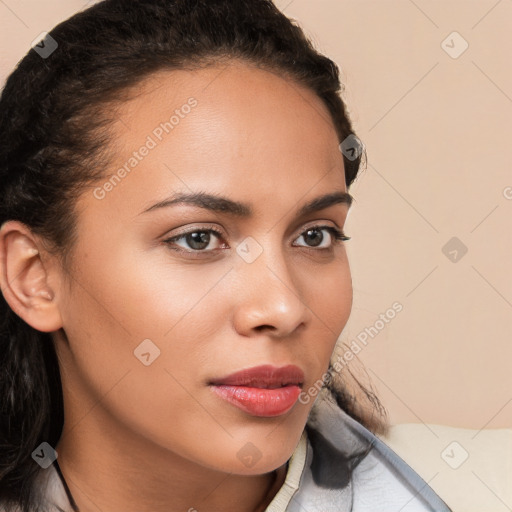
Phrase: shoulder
(347, 465)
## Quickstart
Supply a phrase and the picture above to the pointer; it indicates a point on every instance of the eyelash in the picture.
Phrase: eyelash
(337, 235)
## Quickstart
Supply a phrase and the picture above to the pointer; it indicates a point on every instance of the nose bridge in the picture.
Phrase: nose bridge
(265, 257)
(270, 295)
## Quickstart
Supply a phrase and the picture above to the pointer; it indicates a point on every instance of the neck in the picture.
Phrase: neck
(120, 473)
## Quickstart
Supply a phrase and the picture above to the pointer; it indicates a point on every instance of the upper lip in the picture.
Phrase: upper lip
(264, 376)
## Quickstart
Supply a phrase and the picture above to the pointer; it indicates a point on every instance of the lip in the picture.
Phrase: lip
(264, 376)
(264, 390)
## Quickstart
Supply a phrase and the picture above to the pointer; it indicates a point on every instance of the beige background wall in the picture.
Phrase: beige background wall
(436, 123)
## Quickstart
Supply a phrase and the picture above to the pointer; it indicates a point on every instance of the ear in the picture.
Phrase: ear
(24, 278)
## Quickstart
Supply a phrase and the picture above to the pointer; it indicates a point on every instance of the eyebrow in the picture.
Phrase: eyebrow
(224, 205)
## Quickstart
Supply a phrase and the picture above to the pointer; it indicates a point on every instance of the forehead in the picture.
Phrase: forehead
(231, 128)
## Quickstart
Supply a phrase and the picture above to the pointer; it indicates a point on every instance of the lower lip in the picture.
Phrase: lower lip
(260, 401)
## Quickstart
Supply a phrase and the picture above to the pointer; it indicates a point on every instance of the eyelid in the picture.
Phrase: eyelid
(204, 227)
(198, 227)
(315, 223)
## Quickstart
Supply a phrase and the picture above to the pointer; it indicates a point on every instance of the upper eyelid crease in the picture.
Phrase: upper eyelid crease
(224, 205)
(318, 225)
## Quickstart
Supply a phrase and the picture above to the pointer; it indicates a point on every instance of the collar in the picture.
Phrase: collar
(345, 467)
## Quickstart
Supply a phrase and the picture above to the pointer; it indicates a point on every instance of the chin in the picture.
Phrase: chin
(263, 453)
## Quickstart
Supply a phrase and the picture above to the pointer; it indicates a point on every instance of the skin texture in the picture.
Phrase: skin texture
(156, 437)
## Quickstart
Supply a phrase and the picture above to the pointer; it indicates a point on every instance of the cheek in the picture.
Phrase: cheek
(156, 400)
(330, 298)
(329, 294)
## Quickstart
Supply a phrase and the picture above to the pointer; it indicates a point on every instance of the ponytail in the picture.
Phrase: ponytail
(31, 409)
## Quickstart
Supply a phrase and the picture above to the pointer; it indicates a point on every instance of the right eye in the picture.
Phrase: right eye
(197, 239)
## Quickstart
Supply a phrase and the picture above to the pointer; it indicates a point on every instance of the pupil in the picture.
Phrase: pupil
(198, 237)
(319, 236)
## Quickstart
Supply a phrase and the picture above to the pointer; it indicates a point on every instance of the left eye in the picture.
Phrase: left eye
(336, 235)
(199, 239)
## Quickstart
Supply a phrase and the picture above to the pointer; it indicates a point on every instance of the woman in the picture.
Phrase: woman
(174, 275)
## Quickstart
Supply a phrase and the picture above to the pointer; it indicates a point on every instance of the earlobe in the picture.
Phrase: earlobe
(24, 279)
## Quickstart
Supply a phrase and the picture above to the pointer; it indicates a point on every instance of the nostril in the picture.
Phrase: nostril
(266, 326)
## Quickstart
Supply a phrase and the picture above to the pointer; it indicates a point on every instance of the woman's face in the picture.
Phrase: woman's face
(151, 322)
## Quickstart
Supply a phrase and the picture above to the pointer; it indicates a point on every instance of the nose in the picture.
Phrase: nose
(268, 297)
